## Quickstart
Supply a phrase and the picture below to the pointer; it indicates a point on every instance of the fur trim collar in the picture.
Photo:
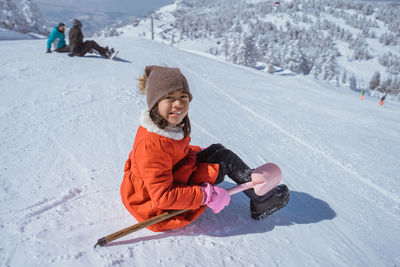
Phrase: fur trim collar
(172, 132)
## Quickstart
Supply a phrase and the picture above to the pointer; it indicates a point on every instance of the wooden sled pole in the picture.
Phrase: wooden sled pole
(156, 219)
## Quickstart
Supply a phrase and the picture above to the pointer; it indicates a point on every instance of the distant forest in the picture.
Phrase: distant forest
(305, 42)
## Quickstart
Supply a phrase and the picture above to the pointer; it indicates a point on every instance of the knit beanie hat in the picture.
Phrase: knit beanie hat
(77, 22)
(160, 81)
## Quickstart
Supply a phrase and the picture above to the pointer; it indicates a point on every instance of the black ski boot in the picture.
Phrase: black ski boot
(109, 52)
(279, 199)
(105, 52)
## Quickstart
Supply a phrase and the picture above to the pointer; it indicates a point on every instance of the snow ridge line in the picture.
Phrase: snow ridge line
(386, 193)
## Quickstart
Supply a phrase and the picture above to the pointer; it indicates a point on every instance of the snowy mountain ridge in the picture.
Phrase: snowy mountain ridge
(21, 17)
(345, 42)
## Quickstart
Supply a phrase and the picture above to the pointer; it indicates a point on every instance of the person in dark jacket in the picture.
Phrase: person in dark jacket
(77, 47)
(382, 100)
(57, 38)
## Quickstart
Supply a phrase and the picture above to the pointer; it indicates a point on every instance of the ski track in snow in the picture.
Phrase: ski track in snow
(45, 206)
(202, 129)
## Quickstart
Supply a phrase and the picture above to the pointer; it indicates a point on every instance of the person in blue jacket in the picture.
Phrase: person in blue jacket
(57, 36)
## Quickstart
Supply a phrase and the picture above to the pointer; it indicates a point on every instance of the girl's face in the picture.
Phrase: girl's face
(174, 107)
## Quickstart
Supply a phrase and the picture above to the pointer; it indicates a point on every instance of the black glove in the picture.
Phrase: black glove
(48, 50)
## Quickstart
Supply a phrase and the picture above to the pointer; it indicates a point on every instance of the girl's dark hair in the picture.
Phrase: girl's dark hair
(162, 123)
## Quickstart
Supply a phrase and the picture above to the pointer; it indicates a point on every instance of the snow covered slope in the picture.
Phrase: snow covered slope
(6, 34)
(68, 124)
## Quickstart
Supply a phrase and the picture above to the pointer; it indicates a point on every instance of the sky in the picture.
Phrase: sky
(135, 7)
(96, 14)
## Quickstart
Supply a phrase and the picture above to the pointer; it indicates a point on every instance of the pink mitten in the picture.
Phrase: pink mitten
(215, 197)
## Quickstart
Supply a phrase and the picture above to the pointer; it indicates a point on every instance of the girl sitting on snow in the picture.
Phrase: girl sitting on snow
(164, 172)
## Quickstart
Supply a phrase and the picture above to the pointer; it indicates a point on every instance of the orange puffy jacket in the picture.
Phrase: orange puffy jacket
(162, 174)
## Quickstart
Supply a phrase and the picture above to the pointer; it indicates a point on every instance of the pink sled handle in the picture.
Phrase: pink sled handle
(240, 188)
(263, 179)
